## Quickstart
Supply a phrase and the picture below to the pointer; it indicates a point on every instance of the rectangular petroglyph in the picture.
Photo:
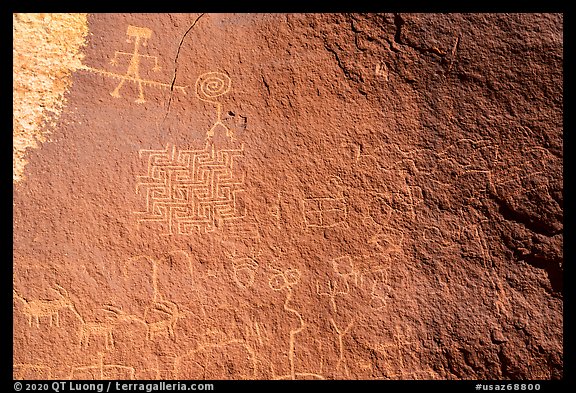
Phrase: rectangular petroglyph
(324, 212)
(190, 191)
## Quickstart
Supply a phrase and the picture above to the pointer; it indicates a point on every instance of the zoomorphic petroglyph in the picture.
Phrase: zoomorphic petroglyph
(209, 87)
(160, 315)
(161, 318)
(46, 308)
(104, 329)
(138, 35)
(190, 190)
(102, 371)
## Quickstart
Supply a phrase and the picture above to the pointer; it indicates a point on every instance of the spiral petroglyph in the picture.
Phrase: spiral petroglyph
(211, 85)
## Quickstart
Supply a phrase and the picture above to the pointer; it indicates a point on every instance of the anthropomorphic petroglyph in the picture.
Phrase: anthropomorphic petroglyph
(209, 88)
(140, 36)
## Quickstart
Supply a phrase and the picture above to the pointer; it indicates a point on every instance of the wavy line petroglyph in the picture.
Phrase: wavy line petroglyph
(138, 35)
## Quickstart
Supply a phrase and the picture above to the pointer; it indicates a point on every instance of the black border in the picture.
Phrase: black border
(311, 6)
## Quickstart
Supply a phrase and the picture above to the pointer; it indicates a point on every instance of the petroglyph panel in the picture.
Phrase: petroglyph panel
(290, 197)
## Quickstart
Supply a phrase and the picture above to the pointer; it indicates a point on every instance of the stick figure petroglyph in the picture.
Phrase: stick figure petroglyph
(209, 87)
(138, 35)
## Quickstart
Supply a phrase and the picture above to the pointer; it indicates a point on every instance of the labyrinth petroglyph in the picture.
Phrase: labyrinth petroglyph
(189, 191)
(312, 196)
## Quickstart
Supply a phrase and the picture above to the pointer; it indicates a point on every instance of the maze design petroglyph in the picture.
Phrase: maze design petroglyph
(138, 35)
(190, 191)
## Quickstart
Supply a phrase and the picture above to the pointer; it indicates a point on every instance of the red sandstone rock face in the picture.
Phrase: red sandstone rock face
(298, 197)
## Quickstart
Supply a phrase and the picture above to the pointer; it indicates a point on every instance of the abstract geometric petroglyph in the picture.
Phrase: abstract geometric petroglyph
(290, 196)
(189, 191)
(324, 212)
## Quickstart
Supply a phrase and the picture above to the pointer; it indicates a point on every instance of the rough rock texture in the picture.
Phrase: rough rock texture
(297, 197)
(46, 49)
